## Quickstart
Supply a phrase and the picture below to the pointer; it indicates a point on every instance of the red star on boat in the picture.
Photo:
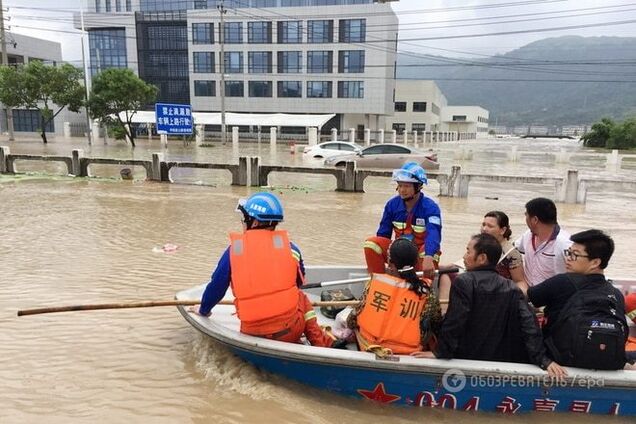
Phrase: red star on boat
(379, 394)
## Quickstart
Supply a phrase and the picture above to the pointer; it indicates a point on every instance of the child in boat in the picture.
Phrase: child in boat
(265, 270)
(387, 319)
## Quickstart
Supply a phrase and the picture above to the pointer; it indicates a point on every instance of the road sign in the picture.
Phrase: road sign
(173, 118)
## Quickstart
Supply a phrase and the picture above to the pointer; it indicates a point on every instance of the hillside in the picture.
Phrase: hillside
(540, 101)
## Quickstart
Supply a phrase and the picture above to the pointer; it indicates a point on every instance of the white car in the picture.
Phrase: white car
(331, 148)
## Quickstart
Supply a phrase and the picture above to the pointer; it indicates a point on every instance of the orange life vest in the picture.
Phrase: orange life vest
(391, 314)
(630, 346)
(416, 233)
(263, 280)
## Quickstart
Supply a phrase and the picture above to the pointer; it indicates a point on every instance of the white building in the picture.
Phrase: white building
(21, 50)
(288, 56)
(470, 120)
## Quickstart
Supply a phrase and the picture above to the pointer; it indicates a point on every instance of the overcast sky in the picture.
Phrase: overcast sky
(419, 19)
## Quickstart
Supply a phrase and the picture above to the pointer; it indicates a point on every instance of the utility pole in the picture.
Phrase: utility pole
(87, 81)
(222, 12)
(5, 62)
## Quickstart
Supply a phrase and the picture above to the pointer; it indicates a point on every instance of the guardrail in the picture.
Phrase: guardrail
(250, 172)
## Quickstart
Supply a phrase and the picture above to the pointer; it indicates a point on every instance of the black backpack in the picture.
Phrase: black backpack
(591, 330)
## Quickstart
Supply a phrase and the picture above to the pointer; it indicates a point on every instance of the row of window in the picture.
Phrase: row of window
(28, 120)
(482, 119)
(289, 62)
(401, 127)
(315, 89)
(165, 5)
(108, 5)
(417, 106)
(287, 32)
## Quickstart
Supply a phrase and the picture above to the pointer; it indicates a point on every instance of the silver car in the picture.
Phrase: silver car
(387, 156)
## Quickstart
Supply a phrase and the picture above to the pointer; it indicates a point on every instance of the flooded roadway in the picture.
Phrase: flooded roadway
(76, 241)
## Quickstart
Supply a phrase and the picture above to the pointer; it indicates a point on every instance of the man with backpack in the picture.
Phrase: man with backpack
(585, 314)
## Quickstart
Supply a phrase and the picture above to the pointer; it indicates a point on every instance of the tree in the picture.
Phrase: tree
(599, 134)
(623, 136)
(47, 86)
(119, 90)
(11, 90)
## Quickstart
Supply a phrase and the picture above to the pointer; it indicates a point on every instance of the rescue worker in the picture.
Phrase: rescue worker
(387, 319)
(265, 271)
(411, 215)
(630, 311)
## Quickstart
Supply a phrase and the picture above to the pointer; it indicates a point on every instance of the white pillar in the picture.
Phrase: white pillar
(415, 138)
(393, 136)
(200, 134)
(95, 124)
(334, 134)
(67, 129)
(164, 139)
(352, 135)
(149, 126)
(612, 158)
(381, 136)
(272, 137)
(312, 137)
(235, 141)
(367, 136)
(405, 137)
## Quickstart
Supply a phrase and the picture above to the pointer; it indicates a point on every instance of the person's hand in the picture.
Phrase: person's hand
(195, 310)
(428, 268)
(556, 371)
(423, 354)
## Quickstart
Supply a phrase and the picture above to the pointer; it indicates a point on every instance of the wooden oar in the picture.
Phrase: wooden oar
(149, 304)
(363, 279)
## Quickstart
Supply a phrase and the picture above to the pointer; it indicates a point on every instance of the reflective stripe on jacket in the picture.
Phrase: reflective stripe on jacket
(415, 233)
(391, 314)
(263, 277)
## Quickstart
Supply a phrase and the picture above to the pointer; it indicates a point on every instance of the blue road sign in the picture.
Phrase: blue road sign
(173, 118)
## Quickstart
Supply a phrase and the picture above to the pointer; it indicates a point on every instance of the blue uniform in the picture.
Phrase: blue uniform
(425, 213)
(220, 280)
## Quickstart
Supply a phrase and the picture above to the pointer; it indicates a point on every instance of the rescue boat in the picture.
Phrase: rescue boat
(502, 387)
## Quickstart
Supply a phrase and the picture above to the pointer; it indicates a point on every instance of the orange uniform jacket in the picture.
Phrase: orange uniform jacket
(391, 315)
(263, 280)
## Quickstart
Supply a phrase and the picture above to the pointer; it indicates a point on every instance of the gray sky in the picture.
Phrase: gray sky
(418, 19)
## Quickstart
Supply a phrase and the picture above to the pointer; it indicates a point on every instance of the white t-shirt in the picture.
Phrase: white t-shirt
(545, 260)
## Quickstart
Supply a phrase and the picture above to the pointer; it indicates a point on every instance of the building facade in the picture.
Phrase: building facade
(288, 56)
(472, 120)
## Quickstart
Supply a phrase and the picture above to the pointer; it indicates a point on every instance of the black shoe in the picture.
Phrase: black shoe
(339, 344)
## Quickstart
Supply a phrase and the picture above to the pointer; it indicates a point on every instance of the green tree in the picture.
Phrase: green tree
(623, 135)
(43, 87)
(116, 95)
(599, 134)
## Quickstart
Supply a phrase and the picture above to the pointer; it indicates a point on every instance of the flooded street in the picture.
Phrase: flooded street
(79, 241)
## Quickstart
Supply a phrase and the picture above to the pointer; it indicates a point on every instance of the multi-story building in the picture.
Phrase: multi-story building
(471, 120)
(417, 107)
(288, 56)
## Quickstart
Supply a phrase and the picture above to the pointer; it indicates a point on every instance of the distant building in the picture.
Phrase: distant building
(472, 120)
(21, 50)
(291, 56)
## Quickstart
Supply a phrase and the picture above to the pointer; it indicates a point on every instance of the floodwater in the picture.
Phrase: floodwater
(79, 241)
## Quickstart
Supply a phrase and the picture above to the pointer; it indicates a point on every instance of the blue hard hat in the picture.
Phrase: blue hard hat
(262, 206)
(410, 172)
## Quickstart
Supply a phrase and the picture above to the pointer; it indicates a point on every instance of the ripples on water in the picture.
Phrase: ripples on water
(69, 241)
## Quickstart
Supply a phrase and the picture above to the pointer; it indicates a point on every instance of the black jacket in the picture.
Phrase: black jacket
(489, 319)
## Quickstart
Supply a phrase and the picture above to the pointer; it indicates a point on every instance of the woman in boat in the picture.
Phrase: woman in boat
(388, 318)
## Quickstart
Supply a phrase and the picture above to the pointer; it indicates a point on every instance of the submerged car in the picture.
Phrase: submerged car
(331, 148)
(386, 156)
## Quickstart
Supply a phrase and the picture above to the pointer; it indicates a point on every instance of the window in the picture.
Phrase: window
(289, 62)
(350, 89)
(233, 32)
(200, 4)
(117, 5)
(419, 106)
(29, 121)
(399, 127)
(400, 106)
(290, 32)
(319, 62)
(203, 62)
(233, 63)
(260, 62)
(107, 49)
(350, 61)
(202, 33)
(418, 127)
(260, 88)
(290, 89)
(435, 109)
(234, 88)
(98, 6)
(352, 30)
(319, 89)
(128, 6)
(204, 88)
(320, 31)
(259, 32)
(459, 118)
(108, 5)
(386, 148)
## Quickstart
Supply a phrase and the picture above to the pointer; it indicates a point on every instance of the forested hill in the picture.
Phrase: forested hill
(519, 88)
